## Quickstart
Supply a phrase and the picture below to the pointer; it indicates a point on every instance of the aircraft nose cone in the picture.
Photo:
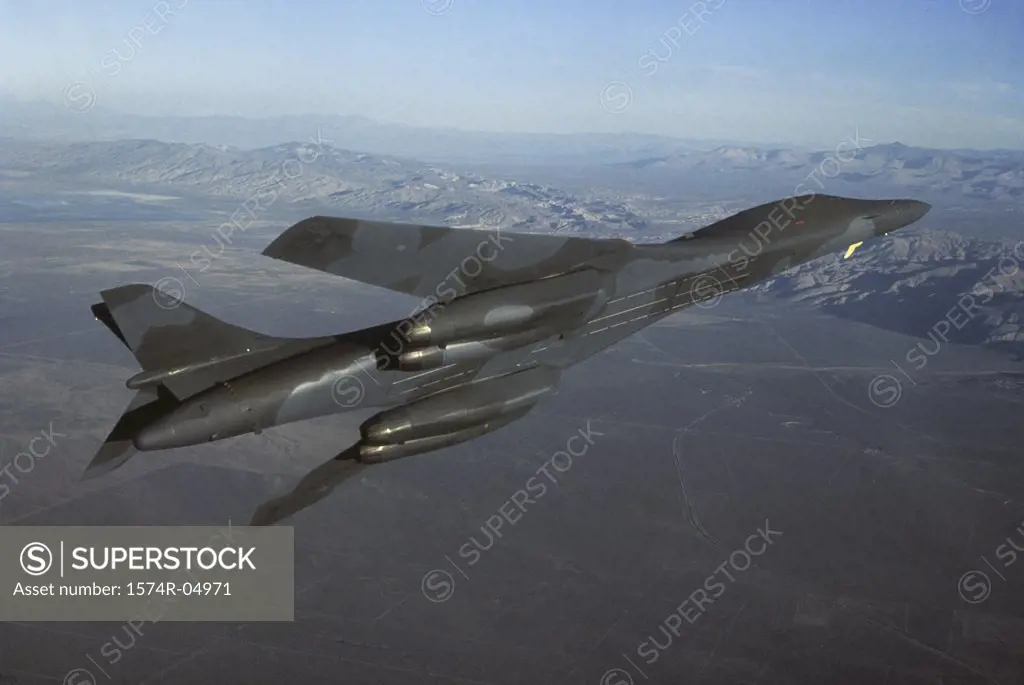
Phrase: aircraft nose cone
(914, 210)
(897, 214)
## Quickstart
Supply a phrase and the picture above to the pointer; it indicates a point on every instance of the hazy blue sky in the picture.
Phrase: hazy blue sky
(943, 73)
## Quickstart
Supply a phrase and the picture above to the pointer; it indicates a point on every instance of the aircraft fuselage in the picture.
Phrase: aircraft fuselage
(479, 339)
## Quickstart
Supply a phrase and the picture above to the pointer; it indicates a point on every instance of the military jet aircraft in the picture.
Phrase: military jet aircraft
(502, 315)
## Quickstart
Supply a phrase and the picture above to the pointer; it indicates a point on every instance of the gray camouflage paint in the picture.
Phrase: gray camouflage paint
(539, 303)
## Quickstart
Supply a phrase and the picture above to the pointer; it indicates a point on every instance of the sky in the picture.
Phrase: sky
(938, 73)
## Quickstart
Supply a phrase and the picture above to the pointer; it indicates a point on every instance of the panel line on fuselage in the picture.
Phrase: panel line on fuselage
(650, 310)
(439, 380)
(406, 379)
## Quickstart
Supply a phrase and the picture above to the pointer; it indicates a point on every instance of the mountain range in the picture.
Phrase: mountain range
(911, 283)
(921, 274)
(976, 174)
(358, 184)
(47, 121)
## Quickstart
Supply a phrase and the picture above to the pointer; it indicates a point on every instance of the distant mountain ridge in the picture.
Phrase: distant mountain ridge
(46, 121)
(922, 273)
(969, 174)
(909, 283)
(987, 175)
(352, 183)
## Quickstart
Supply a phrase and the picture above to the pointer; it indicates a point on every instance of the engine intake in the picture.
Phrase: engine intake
(435, 356)
(557, 301)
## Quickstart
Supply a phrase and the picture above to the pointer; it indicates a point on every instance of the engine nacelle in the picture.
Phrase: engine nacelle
(370, 453)
(435, 356)
(467, 407)
(559, 300)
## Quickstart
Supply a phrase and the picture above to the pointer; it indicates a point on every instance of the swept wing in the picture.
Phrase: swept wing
(432, 260)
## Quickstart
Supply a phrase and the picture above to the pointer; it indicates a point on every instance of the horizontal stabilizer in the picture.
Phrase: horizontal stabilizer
(184, 349)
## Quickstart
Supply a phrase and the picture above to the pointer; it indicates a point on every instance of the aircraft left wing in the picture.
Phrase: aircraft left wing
(432, 260)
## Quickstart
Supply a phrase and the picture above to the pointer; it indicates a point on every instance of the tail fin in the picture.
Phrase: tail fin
(182, 348)
(149, 404)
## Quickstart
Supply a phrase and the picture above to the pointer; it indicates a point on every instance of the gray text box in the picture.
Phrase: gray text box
(147, 573)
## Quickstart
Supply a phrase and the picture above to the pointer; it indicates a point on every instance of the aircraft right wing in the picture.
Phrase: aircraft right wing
(432, 260)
